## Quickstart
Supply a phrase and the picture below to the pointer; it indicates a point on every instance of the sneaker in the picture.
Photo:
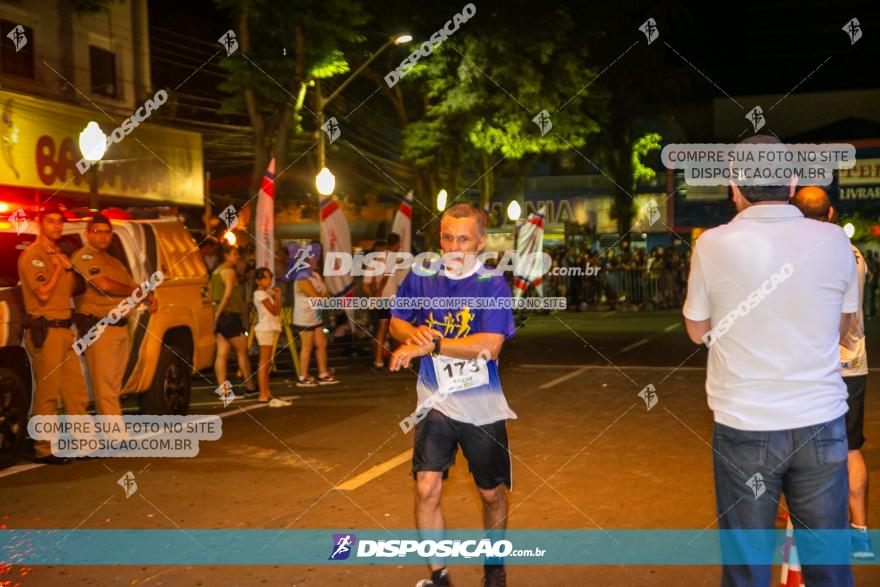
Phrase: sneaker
(307, 382)
(251, 392)
(277, 402)
(494, 576)
(327, 379)
(861, 544)
(439, 578)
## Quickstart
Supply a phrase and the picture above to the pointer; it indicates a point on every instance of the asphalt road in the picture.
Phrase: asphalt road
(587, 455)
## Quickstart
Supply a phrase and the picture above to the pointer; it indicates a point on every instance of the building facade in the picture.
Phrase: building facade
(61, 70)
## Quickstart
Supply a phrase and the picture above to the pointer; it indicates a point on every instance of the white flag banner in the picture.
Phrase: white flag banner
(529, 268)
(336, 238)
(402, 227)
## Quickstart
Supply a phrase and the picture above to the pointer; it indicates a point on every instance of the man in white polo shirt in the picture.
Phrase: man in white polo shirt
(770, 293)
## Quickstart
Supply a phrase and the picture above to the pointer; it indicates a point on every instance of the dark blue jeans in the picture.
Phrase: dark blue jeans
(808, 465)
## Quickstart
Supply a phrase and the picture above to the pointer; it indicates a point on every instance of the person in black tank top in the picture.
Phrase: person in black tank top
(228, 319)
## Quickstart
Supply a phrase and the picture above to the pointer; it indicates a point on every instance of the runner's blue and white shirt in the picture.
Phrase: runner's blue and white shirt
(483, 403)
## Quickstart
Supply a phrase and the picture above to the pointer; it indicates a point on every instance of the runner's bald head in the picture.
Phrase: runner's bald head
(813, 202)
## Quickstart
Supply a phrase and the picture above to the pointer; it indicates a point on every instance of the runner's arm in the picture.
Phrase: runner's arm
(408, 333)
(473, 346)
(401, 330)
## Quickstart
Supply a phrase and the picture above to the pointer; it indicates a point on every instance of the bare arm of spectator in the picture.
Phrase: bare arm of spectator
(697, 329)
(697, 306)
(846, 321)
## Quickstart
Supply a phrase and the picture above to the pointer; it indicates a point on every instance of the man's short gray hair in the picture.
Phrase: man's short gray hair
(466, 210)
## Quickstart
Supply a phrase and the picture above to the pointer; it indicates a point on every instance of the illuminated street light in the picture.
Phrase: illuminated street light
(514, 210)
(849, 229)
(92, 142)
(325, 181)
(402, 38)
(229, 237)
(441, 200)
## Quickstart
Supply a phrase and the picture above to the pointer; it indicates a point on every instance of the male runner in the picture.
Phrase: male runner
(469, 408)
(813, 201)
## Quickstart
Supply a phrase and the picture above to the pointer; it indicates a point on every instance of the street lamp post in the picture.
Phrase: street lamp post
(321, 102)
(93, 145)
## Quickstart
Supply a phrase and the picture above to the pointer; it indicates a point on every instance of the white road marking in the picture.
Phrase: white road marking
(635, 345)
(20, 469)
(672, 327)
(565, 377)
(638, 367)
(375, 472)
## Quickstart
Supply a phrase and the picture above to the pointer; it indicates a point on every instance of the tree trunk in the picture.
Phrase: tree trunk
(261, 139)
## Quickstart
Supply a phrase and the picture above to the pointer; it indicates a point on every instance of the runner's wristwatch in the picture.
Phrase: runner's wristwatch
(436, 340)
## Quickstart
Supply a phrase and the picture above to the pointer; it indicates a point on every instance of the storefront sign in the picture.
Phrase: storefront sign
(38, 149)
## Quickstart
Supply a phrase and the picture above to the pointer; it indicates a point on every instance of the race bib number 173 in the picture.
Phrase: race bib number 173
(459, 374)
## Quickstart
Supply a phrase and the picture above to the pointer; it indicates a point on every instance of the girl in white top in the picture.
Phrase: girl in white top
(309, 327)
(268, 303)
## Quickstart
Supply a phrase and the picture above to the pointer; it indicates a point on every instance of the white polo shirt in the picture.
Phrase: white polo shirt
(774, 285)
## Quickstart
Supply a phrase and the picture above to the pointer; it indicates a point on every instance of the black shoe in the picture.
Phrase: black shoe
(439, 578)
(251, 392)
(494, 576)
(53, 460)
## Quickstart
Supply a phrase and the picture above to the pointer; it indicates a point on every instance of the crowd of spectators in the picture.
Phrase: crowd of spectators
(620, 277)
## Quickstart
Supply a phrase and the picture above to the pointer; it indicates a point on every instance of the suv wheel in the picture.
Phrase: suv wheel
(14, 405)
(170, 390)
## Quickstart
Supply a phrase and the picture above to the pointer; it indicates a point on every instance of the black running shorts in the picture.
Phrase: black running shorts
(229, 325)
(855, 417)
(486, 449)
